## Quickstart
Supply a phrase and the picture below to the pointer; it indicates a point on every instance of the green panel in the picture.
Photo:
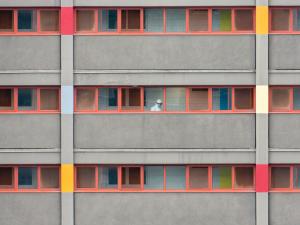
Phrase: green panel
(225, 177)
(225, 20)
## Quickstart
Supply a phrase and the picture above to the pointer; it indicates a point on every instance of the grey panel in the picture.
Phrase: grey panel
(164, 3)
(284, 77)
(165, 131)
(284, 3)
(284, 130)
(284, 52)
(165, 77)
(284, 208)
(30, 131)
(21, 156)
(30, 3)
(165, 52)
(164, 208)
(29, 52)
(30, 208)
(286, 156)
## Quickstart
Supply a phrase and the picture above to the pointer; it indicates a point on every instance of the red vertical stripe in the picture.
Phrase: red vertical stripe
(262, 178)
(67, 21)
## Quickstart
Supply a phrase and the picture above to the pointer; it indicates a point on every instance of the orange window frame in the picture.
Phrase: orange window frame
(38, 22)
(38, 100)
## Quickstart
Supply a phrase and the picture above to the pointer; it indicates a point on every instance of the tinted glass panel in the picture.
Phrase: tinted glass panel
(49, 99)
(153, 20)
(175, 177)
(108, 98)
(6, 20)
(176, 20)
(221, 20)
(26, 20)
(176, 99)
(131, 177)
(198, 99)
(27, 177)
(49, 177)
(109, 20)
(85, 177)
(153, 177)
(281, 98)
(85, 20)
(27, 99)
(280, 19)
(6, 177)
(198, 20)
(108, 177)
(243, 19)
(297, 177)
(85, 99)
(6, 99)
(49, 20)
(130, 19)
(296, 18)
(222, 177)
(243, 98)
(154, 99)
(280, 177)
(244, 177)
(222, 98)
(198, 177)
(297, 98)
(131, 98)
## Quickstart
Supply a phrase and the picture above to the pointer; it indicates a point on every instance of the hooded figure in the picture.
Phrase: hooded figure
(157, 106)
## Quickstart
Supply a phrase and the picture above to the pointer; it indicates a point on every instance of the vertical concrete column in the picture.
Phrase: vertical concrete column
(67, 89)
(262, 99)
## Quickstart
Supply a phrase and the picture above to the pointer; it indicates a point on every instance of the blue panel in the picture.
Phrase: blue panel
(27, 177)
(25, 18)
(109, 20)
(25, 97)
(112, 176)
(67, 99)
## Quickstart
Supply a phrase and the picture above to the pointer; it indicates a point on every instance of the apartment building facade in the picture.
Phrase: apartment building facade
(149, 112)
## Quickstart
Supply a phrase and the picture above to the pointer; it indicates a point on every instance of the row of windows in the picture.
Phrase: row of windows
(30, 178)
(149, 178)
(148, 99)
(27, 99)
(149, 20)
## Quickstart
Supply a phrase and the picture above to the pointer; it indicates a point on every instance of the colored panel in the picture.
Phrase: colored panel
(67, 21)
(67, 178)
(262, 178)
(262, 21)
(262, 99)
(67, 99)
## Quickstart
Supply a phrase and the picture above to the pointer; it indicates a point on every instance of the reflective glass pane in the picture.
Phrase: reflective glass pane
(176, 99)
(27, 20)
(108, 98)
(27, 177)
(108, 177)
(222, 99)
(221, 20)
(176, 20)
(222, 177)
(175, 177)
(153, 99)
(27, 99)
(153, 20)
(153, 177)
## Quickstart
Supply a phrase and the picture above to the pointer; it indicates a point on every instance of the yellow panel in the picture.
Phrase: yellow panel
(262, 99)
(262, 20)
(67, 178)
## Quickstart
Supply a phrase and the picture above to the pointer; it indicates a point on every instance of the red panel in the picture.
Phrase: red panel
(67, 21)
(262, 178)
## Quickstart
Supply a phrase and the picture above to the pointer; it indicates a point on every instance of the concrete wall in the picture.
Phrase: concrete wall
(165, 208)
(30, 208)
(164, 131)
(29, 131)
(284, 208)
(29, 52)
(165, 52)
(284, 52)
(284, 130)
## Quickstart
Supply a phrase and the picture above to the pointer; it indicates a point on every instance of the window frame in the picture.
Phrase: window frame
(141, 31)
(38, 100)
(15, 186)
(38, 22)
(291, 99)
(164, 111)
(291, 21)
(291, 188)
(187, 188)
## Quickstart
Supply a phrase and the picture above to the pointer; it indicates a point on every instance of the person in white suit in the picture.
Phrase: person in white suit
(157, 107)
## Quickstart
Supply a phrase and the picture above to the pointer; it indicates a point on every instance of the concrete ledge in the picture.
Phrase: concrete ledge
(18, 3)
(284, 77)
(164, 77)
(164, 156)
(36, 156)
(284, 3)
(30, 77)
(288, 156)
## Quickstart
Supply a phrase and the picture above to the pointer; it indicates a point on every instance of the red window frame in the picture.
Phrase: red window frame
(142, 108)
(38, 22)
(141, 31)
(15, 186)
(291, 21)
(291, 188)
(291, 99)
(120, 188)
(38, 100)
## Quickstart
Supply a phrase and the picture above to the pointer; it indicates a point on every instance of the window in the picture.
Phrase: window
(221, 20)
(49, 177)
(131, 177)
(109, 20)
(6, 177)
(222, 177)
(27, 99)
(108, 177)
(49, 99)
(243, 98)
(108, 98)
(280, 98)
(244, 177)
(280, 177)
(153, 99)
(49, 20)
(131, 20)
(6, 20)
(175, 21)
(244, 19)
(153, 20)
(131, 98)
(85, 99)
(222, 98)
(6, 99)
(198, 20)
(85, 177)
(27, 20)
(27, 177)
(198, 99)
(280, 19)
(175, 177)
(85, 20)
(296, 177)
(296, 19)
(153, 177)
(198, 177)
(176, 99)
(296, 98)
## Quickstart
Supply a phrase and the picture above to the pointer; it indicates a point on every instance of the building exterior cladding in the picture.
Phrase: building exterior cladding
(259, 59)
